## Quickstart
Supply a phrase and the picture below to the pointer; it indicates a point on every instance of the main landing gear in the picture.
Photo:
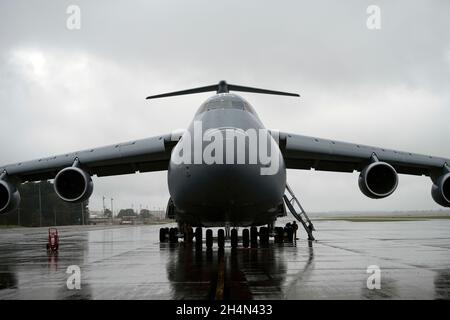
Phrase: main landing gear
(169, 234)
(252, 237)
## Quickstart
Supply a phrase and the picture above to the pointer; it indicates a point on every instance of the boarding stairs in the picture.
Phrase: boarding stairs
(298, 212)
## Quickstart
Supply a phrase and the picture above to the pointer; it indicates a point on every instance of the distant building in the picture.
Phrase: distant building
(159, 213)
(96, 213)
(128, 219)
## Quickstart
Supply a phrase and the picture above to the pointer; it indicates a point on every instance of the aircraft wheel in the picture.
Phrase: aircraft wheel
(209, 238)
(189, 235)
(198, 237)
(290, 234)
(253, 237)
(162, 235)
(221, 238)
(264, 236)
(234, 238)
(173, 235)
(245, 238)
(279, 232)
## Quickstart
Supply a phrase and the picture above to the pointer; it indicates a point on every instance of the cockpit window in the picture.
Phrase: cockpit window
(224, 101)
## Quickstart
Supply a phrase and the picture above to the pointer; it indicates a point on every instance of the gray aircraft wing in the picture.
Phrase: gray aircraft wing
(303, 152)
(150, 154)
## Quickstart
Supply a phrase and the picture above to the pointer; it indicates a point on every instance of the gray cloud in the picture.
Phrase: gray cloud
(64, 90)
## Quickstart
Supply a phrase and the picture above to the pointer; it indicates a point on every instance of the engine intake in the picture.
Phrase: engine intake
(9, 197)
(73, 184)
(440, 191)
(378, 180)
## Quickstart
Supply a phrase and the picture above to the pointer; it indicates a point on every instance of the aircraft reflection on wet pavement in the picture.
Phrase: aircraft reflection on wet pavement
(234, 274)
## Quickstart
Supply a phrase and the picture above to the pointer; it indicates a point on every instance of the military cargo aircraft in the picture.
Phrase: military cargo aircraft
(214, 185)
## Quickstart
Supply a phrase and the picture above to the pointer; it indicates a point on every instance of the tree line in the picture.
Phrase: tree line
(44, 210)
(144, 214)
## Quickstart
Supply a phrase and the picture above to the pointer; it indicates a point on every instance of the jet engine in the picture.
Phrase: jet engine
(440, 191)
(73, 184)
(9, 197)
(378, 180)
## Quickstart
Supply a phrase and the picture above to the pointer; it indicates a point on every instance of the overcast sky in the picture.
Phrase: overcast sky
(63, 90)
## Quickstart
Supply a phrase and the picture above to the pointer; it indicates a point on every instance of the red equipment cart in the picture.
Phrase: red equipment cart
(53, 240)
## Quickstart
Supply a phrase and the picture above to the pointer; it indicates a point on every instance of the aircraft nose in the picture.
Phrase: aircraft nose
(226, 185)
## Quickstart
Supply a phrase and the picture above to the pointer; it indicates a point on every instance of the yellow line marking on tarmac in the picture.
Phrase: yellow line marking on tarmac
(220, 279)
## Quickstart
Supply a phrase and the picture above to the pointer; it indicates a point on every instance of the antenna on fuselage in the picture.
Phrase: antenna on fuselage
(223, 87)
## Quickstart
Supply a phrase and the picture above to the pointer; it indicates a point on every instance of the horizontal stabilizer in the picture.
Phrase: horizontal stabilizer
(223, 87)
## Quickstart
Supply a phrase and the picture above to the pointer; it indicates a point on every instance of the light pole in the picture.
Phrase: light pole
(82, 213)
(112, 211)
(40, 204)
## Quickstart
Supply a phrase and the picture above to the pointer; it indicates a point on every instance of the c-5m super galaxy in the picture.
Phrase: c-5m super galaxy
(216, 192)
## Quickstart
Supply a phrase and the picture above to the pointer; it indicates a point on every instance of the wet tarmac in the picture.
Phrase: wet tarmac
(129, 263)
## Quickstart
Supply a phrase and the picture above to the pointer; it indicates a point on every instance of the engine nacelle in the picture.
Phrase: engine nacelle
(440, 191)
(73, 184)
(9, 197)
(378, 180)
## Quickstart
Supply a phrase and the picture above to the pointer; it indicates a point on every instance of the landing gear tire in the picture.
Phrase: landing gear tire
(234, 238)
(198, 237)
(189, 235)
(162, 235)
(209, 238)
(279, 232)
(173, 235)
(245, 238)
(254, 237)
(264, 236)
(221, 238)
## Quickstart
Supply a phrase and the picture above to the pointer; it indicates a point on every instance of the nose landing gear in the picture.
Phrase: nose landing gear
(234, 238)
(221, 238)
(209, 238)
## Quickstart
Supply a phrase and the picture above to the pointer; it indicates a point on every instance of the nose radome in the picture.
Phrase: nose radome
(228, 185)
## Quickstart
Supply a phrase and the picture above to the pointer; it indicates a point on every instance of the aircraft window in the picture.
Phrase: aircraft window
(219, 104)
(237, 104)
(226, 103)
(249, 108)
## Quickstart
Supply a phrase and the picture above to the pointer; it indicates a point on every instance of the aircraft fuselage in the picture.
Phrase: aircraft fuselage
(228, 190)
